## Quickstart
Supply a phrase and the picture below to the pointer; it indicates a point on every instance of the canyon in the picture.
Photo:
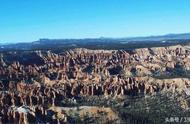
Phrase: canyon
(34, 83)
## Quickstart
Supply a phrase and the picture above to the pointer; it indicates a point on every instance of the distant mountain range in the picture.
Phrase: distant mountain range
(94, 43)
(145, 38)
(160, 38)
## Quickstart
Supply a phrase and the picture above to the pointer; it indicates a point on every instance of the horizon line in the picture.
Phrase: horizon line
(100, 37)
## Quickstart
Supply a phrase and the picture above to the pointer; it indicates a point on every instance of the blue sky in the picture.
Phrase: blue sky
(29, 20)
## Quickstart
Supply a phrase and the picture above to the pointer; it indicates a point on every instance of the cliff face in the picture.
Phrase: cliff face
(36, 84)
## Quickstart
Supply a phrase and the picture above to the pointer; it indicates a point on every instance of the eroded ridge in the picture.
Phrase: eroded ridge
(33, 81)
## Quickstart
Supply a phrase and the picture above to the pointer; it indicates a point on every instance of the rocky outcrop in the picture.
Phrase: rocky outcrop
(27, 90)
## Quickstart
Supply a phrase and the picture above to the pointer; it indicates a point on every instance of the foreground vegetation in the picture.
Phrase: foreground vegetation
(155, 109)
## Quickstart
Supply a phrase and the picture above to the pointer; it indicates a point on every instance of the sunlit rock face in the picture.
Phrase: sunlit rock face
(85, 71)
(30, 82)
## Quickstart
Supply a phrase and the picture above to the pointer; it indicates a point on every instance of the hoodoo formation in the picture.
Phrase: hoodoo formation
(31, 85)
